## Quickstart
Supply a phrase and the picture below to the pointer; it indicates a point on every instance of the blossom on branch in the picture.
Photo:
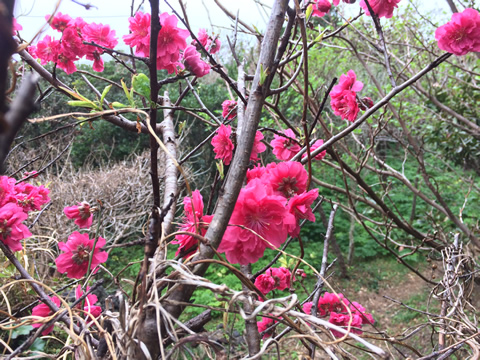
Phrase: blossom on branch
(285, 147)
(82, 213)
(222, 144)
(89, 301)
(259, 220)
(314, 147)
(139, 36)
(461, 35)
(258, 146)
(229, 109)
(321, 8)
(194, 63)
(76, 255)
(12, 231)
(194, 222)
(43, 310)
(381, 8)
(211, 44)
(171, 40)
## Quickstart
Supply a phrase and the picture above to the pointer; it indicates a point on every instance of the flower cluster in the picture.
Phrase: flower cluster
(462, 34)
(171, 44)
(274, 278)
(335, 307)
(223, 145)
(381, 8)
(71, 47)
(344, 96)
(268, 208)
(286, 146)
(209, 43)
(16, 201)
(321, 8)
(193, 222)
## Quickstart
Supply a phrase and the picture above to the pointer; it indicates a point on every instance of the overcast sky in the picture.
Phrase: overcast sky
(31, 13)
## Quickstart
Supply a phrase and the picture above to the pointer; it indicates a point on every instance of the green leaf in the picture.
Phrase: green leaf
(87, 104)
(38, 345)
(141, 84)
(309, 12)
(104, 93)
(263, 74)
(220, 169)
(118, 105)
(22, 330)
(128, 93)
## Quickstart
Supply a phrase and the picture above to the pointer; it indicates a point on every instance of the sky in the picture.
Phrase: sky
(31, 13)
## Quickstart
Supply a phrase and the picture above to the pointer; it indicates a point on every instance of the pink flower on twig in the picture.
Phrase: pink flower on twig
(461, 35)
(12, 231)
(285, 147)
(382, 8)
(223, 145)
(82, 213)
(43, 310)
(76, 254)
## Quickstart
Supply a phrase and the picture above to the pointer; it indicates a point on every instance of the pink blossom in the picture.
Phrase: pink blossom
(76, 255)
(202, 37)
(46, 50)
(461, 35)
(31, 197)
(7, 190)
(66, 64)
(82, 213)
(315, 146)
(258, 146)
(12, 231)
(265, 283)
(89, 302)
(78, 24)
(382, 8)
(263, 219)
(264, 325)
(209, 43)
(321, 8)
(284, 147)
(194, 222)
(346, 105)
(348, 82)
(307, 307)
(171, 40)
(300, 207)
(194, 63)
(288, 178)
(140, 33)
(43, 310)
(16, 26)
(59, 22)
(229, 110)
(256, 173)
(281, 276)
(101, 35)
(222, 145)
(71, 45)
